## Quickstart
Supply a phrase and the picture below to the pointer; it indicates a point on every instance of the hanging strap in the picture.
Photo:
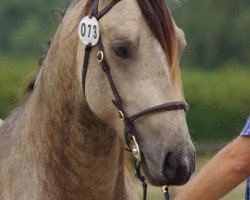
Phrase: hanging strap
(166, 193)
(106, 69)
(94, 13)
(85, 65)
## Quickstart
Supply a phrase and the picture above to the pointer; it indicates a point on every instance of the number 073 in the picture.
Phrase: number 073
(89, 30)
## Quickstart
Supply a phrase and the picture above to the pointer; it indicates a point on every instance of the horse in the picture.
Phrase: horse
(64, 143)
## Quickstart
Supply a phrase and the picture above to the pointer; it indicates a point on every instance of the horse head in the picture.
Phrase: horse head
(143, 46)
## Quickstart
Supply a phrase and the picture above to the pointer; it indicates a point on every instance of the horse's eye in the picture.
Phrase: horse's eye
(122, 51)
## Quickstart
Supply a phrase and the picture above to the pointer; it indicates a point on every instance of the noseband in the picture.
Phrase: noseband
(129, 129)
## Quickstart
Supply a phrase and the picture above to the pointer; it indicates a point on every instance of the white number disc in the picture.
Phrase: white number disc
(88, 31)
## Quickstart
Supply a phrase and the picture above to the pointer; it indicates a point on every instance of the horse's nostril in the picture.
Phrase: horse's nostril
(169, 166)
(176, 169)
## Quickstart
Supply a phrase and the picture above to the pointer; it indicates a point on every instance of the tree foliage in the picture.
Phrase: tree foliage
(217, 31)
(26, 25)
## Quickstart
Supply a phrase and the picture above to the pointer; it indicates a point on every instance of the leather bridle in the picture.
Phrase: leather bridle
(129, 129)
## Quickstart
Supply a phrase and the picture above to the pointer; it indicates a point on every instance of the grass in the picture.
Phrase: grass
(219, 100)
(14, 75)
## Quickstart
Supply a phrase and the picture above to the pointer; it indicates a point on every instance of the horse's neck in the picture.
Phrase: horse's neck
(59, 149)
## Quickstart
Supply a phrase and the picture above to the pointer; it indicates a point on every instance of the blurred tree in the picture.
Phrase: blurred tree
(26, 25)
(217, 31)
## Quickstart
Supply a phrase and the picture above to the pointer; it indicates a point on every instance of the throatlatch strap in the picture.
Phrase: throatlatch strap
(85, 66)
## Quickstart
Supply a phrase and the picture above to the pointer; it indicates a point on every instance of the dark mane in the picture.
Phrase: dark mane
(160, 21)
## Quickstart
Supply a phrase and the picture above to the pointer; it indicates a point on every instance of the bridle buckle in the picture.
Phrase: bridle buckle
(165, 189)
(121, 115)
(136, 151)
(100, 56)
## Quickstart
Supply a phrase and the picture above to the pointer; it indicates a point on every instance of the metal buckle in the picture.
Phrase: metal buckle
(136, 151)
(100, 56)
(165, 189)
(121, 115)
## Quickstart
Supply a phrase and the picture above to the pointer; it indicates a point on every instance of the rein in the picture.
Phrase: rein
(129, 129)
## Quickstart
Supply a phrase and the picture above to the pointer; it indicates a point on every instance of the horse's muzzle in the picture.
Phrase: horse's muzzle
(178, 168)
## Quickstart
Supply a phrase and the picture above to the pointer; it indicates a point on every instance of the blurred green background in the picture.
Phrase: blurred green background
(215, 66)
